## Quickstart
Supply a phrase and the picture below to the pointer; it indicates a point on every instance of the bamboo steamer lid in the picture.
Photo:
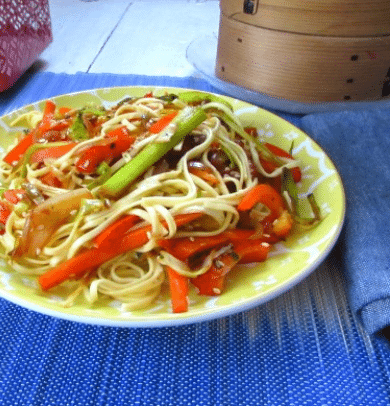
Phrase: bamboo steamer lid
(303, 67)
(321, 17)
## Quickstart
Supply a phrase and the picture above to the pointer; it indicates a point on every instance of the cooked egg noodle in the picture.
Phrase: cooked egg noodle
(135, 278)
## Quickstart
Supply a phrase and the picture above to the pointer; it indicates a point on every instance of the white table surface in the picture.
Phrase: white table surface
(144, 37)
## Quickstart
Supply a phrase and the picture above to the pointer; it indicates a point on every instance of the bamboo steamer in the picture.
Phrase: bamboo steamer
(320, 17)
(301, 66)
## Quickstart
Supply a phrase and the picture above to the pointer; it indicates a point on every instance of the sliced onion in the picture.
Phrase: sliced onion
(257, 215)
(46, 218)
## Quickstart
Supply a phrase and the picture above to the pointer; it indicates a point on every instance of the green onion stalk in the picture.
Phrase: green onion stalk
(186, 121)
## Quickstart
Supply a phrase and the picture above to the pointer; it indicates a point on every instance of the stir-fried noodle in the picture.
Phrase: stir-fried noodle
(209, 172)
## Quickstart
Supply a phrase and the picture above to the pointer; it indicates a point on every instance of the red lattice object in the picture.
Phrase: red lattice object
(25, 31)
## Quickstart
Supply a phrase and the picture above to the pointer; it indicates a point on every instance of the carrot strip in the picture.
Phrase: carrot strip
(162, 123)
(77, 266)
(118, 132)
(13, 156)
(48, 121)
(207, 176)
(179, 288)
(48, 117)
(118, 228)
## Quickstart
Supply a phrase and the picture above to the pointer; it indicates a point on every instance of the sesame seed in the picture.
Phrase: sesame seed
(86, 164)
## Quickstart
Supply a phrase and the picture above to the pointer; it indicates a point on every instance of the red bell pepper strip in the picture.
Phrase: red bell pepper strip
(109, 149)
(76, 267)
(184, 248)
(118, 228)
(270, 166)
(63, 110)
(163, 122)
(252, 250)
(4, 214)
(205, 174)
(13, 156)
(179, 288)
(213, 281)
(50, 152)
(50, 179)
(268, 196)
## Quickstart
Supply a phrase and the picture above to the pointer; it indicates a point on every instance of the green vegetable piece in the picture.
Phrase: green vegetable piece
(289, 188)
(199, 97)
(103, 168)
(104, 172)
(187, 120)
(229, 155)
(21, 207)
(90, 206)
(78, 130)
(125, 100)
(94, 111)
(261, 148)
(168, 98)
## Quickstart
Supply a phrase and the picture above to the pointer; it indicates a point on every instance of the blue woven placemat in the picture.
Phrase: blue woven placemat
(303, 348)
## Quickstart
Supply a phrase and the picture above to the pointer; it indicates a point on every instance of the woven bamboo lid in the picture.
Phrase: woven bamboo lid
(305, 68)
(352, 18)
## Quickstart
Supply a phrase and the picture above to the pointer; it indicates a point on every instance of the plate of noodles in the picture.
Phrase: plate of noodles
(152, 206)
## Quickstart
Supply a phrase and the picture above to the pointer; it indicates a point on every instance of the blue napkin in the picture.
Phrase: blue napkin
(359, 144)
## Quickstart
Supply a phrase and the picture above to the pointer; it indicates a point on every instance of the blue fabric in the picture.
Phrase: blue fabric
(359, 144)
(303, 348)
